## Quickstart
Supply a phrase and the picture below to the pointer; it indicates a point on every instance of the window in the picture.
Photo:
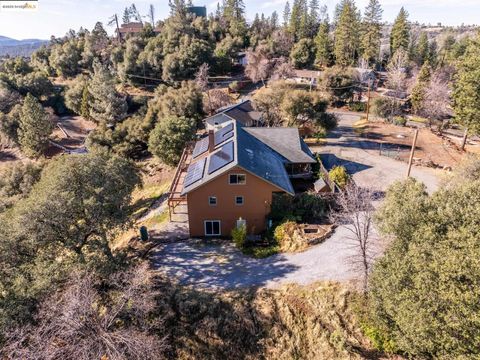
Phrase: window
(237, 179)
(212, 228)
(239, 200)
(212, 200)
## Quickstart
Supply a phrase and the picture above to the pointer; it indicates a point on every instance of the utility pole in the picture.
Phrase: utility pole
(368, 100)
(410, 161)
(464, 140)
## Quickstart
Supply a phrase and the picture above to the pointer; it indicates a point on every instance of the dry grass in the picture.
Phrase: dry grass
(294, 322)
(156, 182)
(292, 237)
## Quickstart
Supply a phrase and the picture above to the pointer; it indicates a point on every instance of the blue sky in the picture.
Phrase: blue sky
(56, 17)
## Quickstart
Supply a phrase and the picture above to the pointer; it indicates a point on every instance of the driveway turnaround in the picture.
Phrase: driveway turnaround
(219, 265)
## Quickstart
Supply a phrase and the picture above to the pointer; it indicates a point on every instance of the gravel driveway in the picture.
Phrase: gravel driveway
(361, 158)
(221, 266)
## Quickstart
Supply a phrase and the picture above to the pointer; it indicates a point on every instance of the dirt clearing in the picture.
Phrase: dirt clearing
(396, 141)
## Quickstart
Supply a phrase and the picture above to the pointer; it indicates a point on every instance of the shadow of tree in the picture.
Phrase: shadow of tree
(352, 167)
(6, 156)
(216, 265)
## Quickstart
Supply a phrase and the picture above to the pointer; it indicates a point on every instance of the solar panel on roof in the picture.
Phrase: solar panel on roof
(201, 147)
(224, 134)
(195, 172)
(221, 158)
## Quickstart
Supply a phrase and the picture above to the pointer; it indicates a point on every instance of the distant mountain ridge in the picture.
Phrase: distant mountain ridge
(13, 47)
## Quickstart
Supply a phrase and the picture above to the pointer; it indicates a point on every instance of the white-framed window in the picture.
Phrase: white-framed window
(239, 200)
(237, 179)
(212, 200)
(212, 228)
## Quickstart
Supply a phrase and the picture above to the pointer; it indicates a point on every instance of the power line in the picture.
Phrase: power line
(221, 82)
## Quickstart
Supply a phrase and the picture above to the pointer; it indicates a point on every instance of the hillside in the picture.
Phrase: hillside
(294, 322)
(13, 47)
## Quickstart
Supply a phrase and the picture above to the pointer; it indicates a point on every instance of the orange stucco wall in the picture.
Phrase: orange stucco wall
(257, 199)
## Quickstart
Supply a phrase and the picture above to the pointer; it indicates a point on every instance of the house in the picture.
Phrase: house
(130, 28)
(234, 173)
(241, 59)
(133, 28)
(367, 77)
(242, 112)
(309, 77)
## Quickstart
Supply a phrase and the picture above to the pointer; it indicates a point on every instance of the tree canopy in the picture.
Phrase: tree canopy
(424, 290)
(400, 35)
(35, 127)
(169, 137)
(466, 89)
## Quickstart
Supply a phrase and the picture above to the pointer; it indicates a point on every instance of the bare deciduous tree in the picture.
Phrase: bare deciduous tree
(201, 77)
(397, 71)
(437, 102)
(259, 66)
(283, 70)
(216, 99)
(93, 320)
(355, 212)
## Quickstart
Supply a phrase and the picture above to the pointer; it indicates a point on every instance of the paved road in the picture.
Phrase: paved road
(221, 266)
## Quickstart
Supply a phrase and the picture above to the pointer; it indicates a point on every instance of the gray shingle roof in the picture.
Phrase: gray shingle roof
(253, 156)
(285, 141)
(243, 112)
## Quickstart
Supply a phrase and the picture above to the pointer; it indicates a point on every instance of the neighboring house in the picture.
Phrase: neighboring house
(242, 59)
(234, 173)
(396, 94)
(243, 112)
(130, 28)
(133, 28)
(367, 77)
(310, 77)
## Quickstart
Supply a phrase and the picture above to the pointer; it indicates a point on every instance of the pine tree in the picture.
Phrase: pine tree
(313, 18)
(35, 127)
(417, 97)
(286, 15)
(323, 45)
(433, 53)
(126, 15)
(274, 21)
(107, 105)
(346, 34)
(295, 19)
(303, 31)
(466, 88)
(234, 14)
(400, 35)
(422, 49)
(372, 31)
(85, 104)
